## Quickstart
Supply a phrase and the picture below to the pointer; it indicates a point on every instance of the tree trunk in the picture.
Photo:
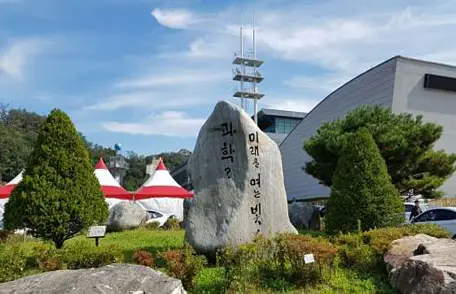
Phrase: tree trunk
(59, 243)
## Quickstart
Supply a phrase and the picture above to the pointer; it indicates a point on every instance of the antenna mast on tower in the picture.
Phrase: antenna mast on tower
(246, 72)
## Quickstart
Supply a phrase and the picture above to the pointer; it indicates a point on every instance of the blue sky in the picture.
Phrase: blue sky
(146, 73)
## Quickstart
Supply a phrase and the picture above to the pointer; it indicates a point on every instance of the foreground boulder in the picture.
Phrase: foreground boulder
(112, 279)
(422, 264)
(126, 216)
(304, 215)
(237, 176)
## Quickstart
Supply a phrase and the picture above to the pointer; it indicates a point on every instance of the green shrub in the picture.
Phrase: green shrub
(277, 263)
(4, 234)
(183, 264)
(171, 223)
(83, 255)
(362, 189)
(12, 262)
(380, 239)
(296, 246)
(46, 257)
(143, 257)
(364, 251)
(152, 226)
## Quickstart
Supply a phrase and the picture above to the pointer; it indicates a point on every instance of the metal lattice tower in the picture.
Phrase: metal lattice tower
(246, 72)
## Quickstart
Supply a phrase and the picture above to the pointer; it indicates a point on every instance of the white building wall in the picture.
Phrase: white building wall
(373, 87)
(435, 105)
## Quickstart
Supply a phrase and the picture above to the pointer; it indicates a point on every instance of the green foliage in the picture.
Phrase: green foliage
(18, 133)
(364, 251)
(380, 239)
(356, 254)
(12, 262)
(4, 234)
(143, 257)
(405, 143)
(277, 263)
(152, 225)
(362, 189)
(172, 223)
(183, 264)
(82, 255)
(59, 195)
(47, 257)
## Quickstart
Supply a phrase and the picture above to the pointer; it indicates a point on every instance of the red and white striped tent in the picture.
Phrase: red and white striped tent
(5, 191)
(162, 193)
(113, 192)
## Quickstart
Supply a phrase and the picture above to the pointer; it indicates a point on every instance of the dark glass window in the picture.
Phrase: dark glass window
(285, 125)
(428, 216)
(443, 215)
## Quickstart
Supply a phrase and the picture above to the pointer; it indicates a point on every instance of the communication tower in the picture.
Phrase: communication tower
(246, 72)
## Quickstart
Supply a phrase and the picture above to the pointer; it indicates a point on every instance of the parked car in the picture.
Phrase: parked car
(410, 205)
(442, 216)
(156, 216)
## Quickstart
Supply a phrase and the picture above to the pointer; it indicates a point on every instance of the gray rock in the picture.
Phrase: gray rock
(229, 207)
(111, 279)
(431, 269)
(404, 248)
(126, 216)
(304, 215)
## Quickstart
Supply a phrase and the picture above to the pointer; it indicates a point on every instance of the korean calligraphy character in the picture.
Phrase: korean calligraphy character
(256, 163)
(227, 129)
(227, 150)
(257, 212)
(256, 193)
(256, 209)
(254, 150)
(257, 181)
(253, 137)
(257, 219)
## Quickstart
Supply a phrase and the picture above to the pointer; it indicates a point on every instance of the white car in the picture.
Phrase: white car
(442, 216)
(410, 205)
(156, 216)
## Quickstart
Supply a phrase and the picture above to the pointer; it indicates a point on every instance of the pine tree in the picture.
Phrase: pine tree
(59, 195)
(362, 189)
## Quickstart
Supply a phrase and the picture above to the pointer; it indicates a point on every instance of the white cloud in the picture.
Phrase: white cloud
(15, 56)
(167, 123)
(174, 77)
(143, 100)
(174, 18)
(295, 104)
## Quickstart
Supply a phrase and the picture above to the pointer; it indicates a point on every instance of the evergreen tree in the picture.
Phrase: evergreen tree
(406, 143)
(362, 189)
(59, 195)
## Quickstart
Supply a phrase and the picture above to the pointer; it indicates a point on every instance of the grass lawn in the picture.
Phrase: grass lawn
(130, 241)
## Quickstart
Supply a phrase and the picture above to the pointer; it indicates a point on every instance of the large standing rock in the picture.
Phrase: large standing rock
(126, 216)
(431, 269)
(304, 215)
(239, 189)
(112, 279)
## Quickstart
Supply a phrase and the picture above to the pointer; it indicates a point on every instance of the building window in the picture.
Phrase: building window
(284, 125)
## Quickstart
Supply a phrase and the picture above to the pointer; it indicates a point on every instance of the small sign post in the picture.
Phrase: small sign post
(309, 258)
(96, 232)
